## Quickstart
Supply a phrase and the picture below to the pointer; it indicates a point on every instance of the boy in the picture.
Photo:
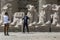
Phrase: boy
(6, 23)
(25, 23)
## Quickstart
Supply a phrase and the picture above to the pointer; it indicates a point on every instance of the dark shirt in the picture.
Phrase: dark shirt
(25, 19)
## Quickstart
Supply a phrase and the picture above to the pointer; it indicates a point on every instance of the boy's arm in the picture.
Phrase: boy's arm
(22, 18)
(28, 18)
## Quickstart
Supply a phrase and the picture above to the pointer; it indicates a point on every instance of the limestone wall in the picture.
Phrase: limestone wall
(18, 5)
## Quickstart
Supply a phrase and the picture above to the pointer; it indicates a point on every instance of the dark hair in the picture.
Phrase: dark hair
(6, 13)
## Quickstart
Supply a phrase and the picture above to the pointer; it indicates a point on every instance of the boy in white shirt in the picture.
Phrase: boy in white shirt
(6, 23)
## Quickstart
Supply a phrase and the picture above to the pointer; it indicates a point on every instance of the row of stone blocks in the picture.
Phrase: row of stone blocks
(34, 29)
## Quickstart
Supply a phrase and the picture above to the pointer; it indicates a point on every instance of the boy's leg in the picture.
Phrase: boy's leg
(27, 27)
(23, 27)
(5, 30)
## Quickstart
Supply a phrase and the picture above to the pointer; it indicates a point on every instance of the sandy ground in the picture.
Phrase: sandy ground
(31, 36)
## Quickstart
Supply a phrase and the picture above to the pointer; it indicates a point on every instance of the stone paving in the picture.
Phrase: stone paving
(31, 36)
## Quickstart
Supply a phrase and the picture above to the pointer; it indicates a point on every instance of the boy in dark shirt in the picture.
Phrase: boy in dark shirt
(25, 23)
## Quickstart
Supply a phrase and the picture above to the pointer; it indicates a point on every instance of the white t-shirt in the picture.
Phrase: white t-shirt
(5, 19)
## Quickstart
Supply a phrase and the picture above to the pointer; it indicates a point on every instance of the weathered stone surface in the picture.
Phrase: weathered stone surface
(44, 17)
(55, 29)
